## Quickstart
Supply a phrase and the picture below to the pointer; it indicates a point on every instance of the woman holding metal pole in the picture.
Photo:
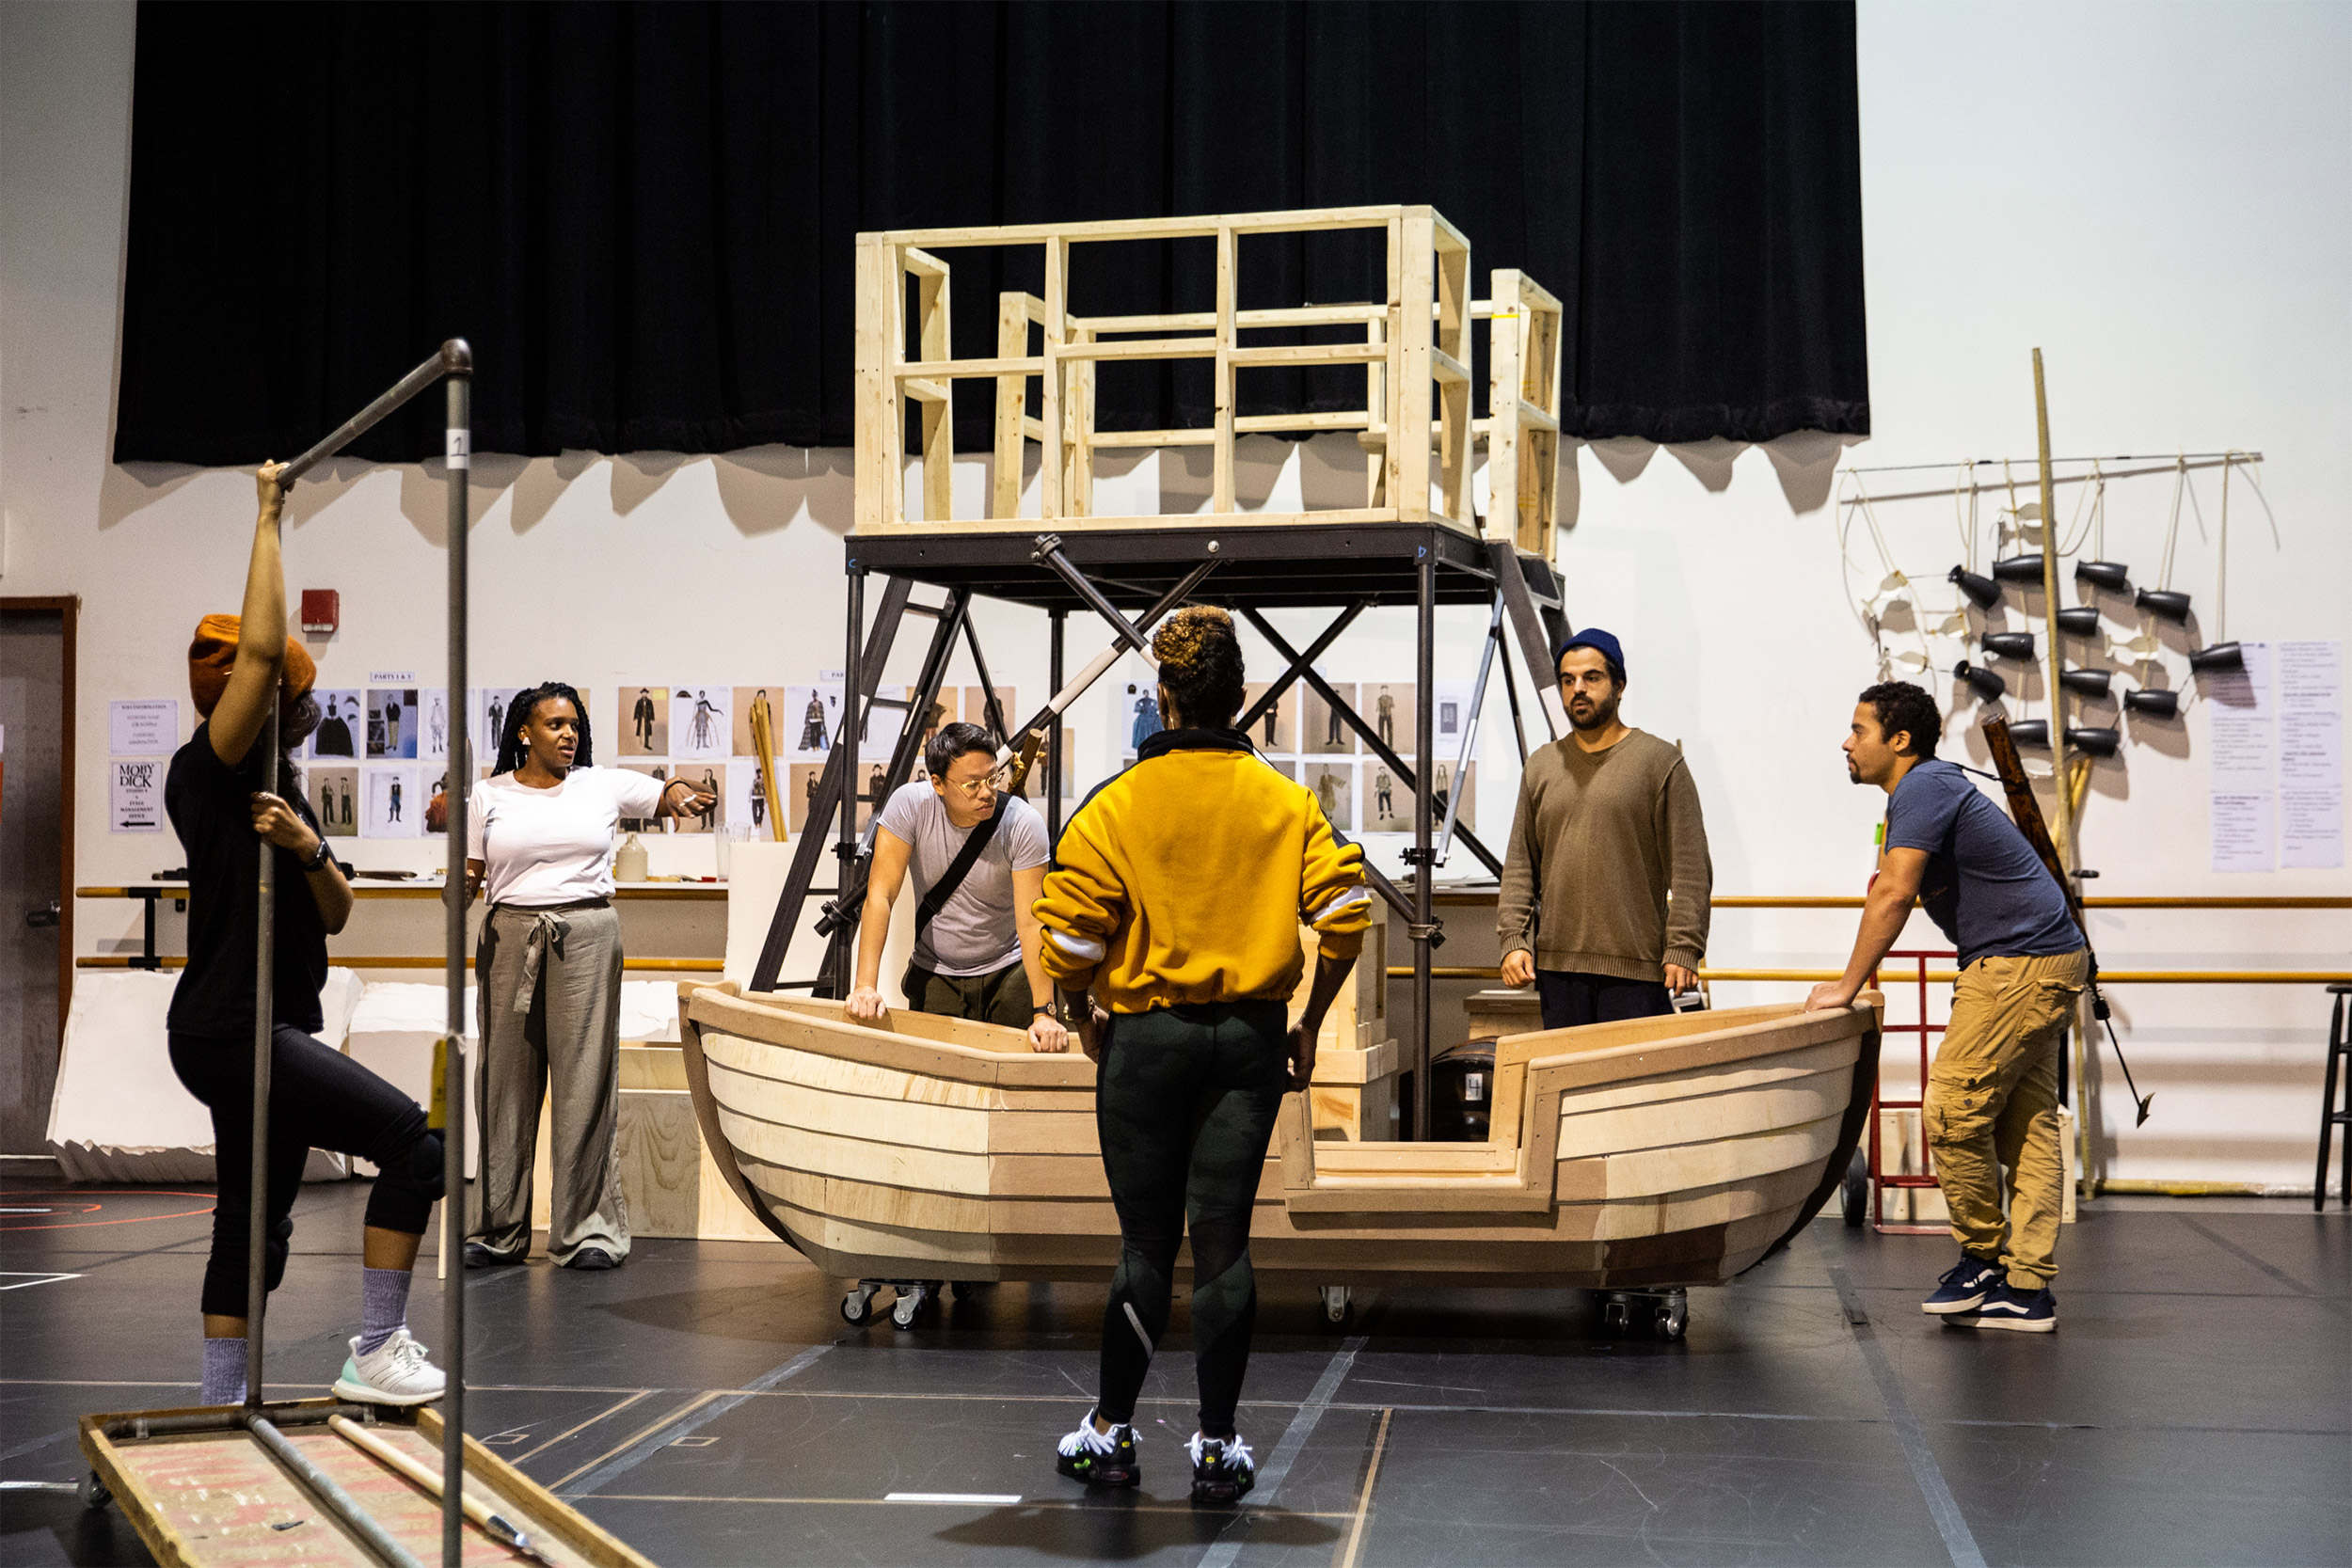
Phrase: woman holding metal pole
(548, 959)
(238, 666)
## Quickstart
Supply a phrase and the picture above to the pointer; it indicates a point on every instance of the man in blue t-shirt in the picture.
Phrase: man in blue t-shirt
(1991, 1097)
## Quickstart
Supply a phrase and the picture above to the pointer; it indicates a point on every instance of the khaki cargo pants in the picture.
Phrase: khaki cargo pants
(1992, 1101)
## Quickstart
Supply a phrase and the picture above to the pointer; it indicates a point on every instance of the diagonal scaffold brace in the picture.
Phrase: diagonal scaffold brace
(452, 365)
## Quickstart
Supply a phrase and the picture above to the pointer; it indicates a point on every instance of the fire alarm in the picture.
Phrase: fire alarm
(321, 610)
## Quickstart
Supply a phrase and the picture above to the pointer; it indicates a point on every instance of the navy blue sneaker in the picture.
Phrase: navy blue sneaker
(1962, 1287)
(2007, 1306)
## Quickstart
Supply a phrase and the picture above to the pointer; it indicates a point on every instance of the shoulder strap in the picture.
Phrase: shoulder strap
(959, 868)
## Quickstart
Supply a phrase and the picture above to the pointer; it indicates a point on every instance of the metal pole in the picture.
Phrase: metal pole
(1425, 673)
(458, 451)
(327, 1490)
(851, 684)
(1058, 621)
(264, 1025)
(454, 359)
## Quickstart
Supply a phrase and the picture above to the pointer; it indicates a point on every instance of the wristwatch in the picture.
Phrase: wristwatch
(317, 858)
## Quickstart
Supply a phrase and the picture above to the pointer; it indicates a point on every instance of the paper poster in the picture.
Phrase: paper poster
(2242, 744)
(391, 805)
(144, 727)
(1326, 733)
(1387, 804)
(802, 784)
(879, 735)
(391, 719)
(137, 803)
(1276, 730)
(343, 727)
(334, 793)
(812, 716)
(941, 710)
(490, 708)
(1334, 786)
(1467, 815)
(711, 778)
(433, 725)
(2311, 676)
(747, 804)
(976, 709)
(699, 725)
(658, 771)
(1450, 713)
(2311, 830)
(1136, 714)
(644, 722)
(748, 700)
(1033, 788)
(1389, 706)
(2311, 752)
(2242, 833)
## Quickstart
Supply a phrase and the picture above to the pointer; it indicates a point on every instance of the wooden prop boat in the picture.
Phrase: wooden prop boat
(1638, 1156)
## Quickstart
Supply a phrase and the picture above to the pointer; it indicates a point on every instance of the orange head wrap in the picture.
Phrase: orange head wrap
(214, 653)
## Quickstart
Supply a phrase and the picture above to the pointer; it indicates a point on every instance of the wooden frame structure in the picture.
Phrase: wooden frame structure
(1416, 350)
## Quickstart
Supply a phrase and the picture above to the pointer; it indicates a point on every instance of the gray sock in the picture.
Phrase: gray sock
(224, 1371)
(383, 1306)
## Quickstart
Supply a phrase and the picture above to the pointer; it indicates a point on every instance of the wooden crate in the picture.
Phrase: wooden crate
(1417, 353)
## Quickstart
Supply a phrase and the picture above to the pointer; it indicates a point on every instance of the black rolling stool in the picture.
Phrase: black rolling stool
(2331, 1115)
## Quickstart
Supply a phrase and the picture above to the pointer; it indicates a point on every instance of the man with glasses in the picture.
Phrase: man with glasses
(979, 856)
(1605, 889)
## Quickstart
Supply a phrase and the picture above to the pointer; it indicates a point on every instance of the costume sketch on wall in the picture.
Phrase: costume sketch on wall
(1276, 730)
(391, 717)
(645, 720)
(491, 706)
(812, 717)
(1334, 786)
(1327, 734)
(334, 800)
(342, 726)
(646, 824)
(433, 722)
(391, 804)
(699, 721)
(761, 698)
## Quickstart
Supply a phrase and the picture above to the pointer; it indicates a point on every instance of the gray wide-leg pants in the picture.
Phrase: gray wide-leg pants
(551, 1020)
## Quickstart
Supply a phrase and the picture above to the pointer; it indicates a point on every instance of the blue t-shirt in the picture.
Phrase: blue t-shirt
(1984, 887)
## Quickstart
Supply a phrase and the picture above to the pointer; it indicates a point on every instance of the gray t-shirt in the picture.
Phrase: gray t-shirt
(974, 933)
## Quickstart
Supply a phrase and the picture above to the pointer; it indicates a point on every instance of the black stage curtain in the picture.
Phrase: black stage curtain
(642, 215)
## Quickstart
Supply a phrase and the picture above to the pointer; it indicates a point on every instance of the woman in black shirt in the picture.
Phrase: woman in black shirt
(318, 1098)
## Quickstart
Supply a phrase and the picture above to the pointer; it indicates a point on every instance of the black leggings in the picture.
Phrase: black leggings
(318, 1098)
(1184, 1106)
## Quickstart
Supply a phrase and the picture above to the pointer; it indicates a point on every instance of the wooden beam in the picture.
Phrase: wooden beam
(1013, 405)
(1221, 455)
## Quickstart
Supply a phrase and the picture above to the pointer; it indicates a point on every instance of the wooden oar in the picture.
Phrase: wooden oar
(496, 1526)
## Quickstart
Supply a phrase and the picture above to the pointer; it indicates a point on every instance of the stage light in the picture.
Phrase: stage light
(2221, 656)
(1984, 683)
(2086, 682)
(2094, 742)
(2152, 704)
(1981, 591)
(2031, 732)
(2111, 576)
(2163, 603)
(2019, 568)
(2010, 644)
(2079, 619)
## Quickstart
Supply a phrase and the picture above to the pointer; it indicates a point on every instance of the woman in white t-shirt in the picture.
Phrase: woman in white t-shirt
(548, 961)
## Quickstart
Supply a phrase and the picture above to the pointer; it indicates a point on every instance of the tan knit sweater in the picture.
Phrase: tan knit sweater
(1597, 840)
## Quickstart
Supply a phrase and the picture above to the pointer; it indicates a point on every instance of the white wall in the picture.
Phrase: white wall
(2156, 196)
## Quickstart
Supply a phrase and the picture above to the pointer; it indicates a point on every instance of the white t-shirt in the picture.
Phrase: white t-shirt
(549, 847)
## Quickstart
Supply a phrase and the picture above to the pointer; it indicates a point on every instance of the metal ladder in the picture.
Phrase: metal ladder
(841, 917)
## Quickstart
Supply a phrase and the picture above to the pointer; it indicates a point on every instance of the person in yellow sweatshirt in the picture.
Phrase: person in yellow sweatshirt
(1176, 901)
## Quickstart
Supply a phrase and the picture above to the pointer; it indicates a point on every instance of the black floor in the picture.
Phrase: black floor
(708, 1405)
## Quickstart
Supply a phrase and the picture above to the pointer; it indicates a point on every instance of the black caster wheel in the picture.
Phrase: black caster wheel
(1339, 1304)
(1854, 1191)
(1670, 1314)
(913, 1304)
(858, 1305)
(93, 1492)
(966, 1289)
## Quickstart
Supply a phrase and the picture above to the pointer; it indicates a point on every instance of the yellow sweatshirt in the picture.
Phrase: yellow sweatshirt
(1185, 878)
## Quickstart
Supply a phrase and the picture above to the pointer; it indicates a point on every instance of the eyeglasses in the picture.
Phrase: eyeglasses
(992, 781)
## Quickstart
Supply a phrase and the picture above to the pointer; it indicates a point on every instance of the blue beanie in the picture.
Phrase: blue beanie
(1601, 644)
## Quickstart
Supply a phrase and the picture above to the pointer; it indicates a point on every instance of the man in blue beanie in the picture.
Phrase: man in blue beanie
(1604, 903)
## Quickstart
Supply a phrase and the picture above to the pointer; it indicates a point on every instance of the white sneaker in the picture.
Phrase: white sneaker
(395, 1373)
